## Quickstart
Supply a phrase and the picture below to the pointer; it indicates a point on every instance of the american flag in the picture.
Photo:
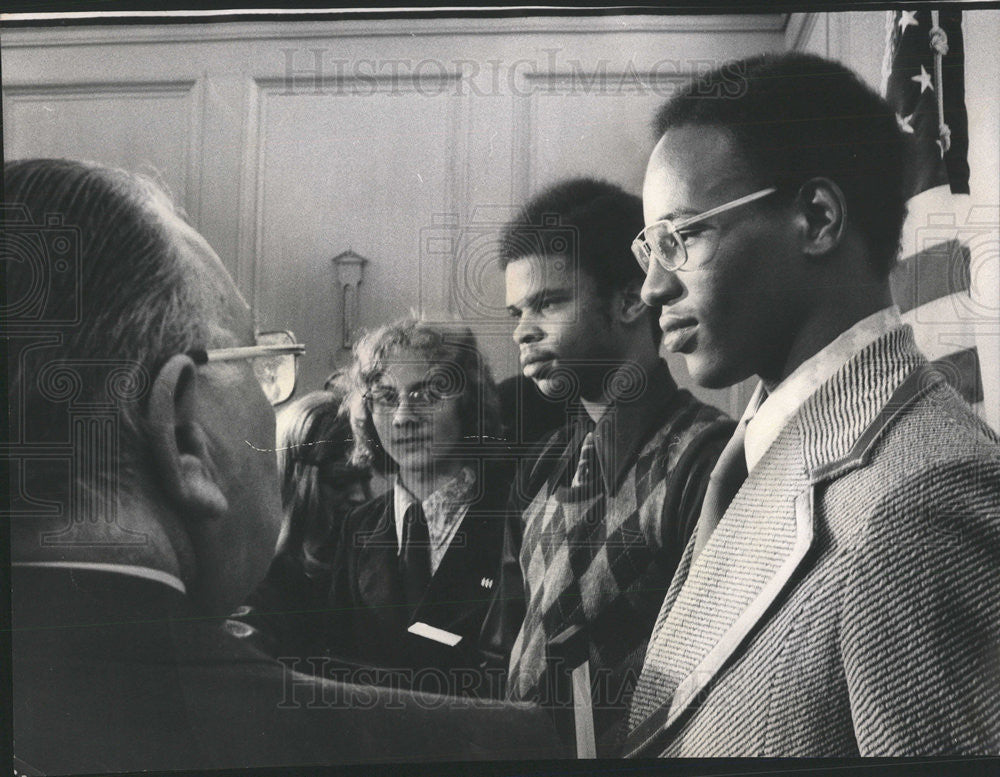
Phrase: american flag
(924, 82)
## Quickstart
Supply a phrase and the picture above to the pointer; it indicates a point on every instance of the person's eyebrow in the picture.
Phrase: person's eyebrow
(535, 300)
(424, 382)
(420, 384)
(677, 215)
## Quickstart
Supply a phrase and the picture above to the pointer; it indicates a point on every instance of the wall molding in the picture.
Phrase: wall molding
(537, 86)
(86, 89)
(604, 82)
(190, 89)
(261, 92)
(799, 30)
(268, 29)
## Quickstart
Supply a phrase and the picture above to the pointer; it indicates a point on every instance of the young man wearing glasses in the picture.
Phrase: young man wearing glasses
(840, 594)
(147, 507)
(599, 520)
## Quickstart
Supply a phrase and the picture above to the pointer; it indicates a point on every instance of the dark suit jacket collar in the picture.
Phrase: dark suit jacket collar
(477, 541)
(379, 524)
(75, 596)
(619, 434)
(108, 616)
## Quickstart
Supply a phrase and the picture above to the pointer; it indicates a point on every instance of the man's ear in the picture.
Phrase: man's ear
(822, 216)
(631, 308)
(182, 456)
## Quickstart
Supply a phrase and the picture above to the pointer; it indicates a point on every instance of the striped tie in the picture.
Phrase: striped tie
(587, 465)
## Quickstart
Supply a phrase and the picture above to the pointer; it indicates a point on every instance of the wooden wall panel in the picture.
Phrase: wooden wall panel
(367, 172)
(408, 141)
(151, 127)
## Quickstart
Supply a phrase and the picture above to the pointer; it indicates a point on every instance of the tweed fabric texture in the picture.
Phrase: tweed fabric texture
(843, 606)
(603, 560)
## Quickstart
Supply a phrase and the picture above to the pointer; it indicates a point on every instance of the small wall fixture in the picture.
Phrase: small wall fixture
(350, 272)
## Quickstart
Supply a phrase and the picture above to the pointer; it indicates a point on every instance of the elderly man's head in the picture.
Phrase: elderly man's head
(132, 300)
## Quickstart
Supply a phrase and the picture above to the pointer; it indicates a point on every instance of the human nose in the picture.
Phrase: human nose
(526, 331)
(661, 286)
(406, 411)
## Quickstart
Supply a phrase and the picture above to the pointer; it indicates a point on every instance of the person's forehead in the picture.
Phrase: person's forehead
(404, 368)
(533, 273)
(691, 169)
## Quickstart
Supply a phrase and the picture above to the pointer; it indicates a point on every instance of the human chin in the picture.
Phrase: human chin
(411, 455)
(554, 386)
(711, 369)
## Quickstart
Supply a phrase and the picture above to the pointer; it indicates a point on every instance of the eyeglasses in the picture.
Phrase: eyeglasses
(274, 358)
(385, 399)
(663, 241)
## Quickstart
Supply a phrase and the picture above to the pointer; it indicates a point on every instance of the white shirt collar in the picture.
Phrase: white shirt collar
(401, 501)
(764, 423)
(121, 569)
(444, 510)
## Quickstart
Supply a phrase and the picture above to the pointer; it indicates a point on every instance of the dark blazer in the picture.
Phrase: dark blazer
(117, 673)
(368, 615)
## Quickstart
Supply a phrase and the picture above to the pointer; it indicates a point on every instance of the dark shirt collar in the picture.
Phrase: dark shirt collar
(627, 423)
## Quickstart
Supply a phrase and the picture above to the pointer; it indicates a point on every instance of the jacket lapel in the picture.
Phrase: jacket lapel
(379, 584)
(766, 533)
(462, 584)
(761, 540)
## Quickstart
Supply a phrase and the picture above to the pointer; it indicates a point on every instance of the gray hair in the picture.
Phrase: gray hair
(95, 264)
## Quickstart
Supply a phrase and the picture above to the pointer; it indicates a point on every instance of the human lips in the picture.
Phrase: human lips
(678, 332)
(411, 441)
(535, 364)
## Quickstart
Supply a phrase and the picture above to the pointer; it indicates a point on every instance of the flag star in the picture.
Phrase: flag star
(904, 123)
(907, 19)
(924, 79)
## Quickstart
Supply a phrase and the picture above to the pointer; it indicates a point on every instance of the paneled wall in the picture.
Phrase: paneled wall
(406, 141)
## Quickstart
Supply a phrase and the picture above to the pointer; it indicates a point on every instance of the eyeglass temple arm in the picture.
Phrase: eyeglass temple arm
(723, 208)
(246, 352)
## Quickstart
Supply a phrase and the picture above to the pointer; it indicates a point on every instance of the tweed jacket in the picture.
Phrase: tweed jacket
(848, 602)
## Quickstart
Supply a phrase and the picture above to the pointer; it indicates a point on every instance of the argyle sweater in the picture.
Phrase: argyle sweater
(602, 557)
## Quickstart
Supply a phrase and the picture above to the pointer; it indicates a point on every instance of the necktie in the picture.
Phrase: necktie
(586, 467)
(727, 477)
(415, 560)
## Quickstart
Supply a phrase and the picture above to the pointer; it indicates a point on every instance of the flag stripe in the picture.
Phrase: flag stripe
(930, 274)
(962, 371)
